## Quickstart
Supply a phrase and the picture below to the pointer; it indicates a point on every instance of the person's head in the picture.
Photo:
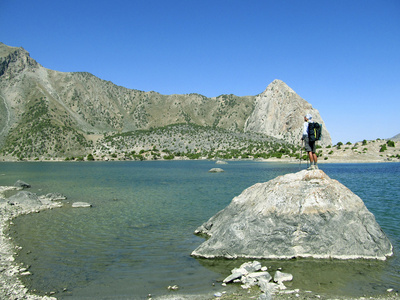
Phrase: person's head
(307, 117)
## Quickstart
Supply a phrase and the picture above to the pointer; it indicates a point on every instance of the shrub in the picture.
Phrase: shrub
(383, 148)
(364, 142)
(390, 143)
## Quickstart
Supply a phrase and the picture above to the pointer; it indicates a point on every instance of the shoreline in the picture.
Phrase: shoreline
(374, 151)
(268, 160)
(10, 271)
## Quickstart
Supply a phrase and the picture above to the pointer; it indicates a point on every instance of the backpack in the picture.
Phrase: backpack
(314, 131)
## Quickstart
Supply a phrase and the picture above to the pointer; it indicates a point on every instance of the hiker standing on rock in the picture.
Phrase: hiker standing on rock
(309, 145)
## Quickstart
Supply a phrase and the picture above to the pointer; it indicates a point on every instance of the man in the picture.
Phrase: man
(309, 146)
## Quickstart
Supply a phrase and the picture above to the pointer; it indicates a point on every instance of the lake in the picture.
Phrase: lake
(137, 238)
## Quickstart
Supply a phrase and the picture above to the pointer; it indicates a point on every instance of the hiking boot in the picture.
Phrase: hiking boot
(310, 168)
(316, 167)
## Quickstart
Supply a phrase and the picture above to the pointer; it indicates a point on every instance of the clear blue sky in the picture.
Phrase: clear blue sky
(341, 56)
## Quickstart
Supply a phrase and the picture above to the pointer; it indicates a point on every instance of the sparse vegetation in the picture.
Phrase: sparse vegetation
(195, 142)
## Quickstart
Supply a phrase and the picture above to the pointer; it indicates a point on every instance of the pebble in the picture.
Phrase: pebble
(173, 287)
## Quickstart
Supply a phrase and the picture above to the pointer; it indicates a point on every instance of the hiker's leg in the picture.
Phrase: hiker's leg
(315, 161)
(311, 157)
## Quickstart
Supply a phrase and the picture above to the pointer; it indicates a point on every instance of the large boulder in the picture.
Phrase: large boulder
(304, 214)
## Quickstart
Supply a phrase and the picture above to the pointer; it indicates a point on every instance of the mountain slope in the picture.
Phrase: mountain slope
(45, 111)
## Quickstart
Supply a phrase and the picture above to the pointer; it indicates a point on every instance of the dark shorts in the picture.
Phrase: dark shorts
(309, 146)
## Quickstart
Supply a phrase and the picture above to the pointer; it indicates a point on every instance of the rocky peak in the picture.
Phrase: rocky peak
(14, 60)
(279, 112)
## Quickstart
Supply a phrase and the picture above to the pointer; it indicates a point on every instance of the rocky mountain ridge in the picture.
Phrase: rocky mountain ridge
(45, 111)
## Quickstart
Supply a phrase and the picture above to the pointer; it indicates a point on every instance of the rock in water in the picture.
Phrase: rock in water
(81, 204)
(216, 170)
(22, 184)
(304, 214)
(26, 199)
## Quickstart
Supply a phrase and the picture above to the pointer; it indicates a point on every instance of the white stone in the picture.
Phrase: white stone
(281, 277)
(81, 204)
(216, 170)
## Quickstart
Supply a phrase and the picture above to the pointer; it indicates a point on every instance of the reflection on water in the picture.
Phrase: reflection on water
(137, 238)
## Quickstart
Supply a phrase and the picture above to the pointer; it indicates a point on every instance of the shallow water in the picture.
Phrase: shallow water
(137, 238)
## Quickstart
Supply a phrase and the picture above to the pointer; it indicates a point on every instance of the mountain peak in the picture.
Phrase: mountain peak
(14, 60)
(279, 112)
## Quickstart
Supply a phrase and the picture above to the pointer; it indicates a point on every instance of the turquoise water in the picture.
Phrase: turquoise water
(137, 238)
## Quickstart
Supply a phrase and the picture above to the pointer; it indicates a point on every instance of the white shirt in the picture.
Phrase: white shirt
(305, 128)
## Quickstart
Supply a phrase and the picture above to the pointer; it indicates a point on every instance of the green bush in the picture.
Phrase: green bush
(170, 156)
(390, 143)
(383, 148)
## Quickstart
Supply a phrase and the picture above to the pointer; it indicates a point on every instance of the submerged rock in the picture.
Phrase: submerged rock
(304, 214)
(54, 196)
(22, 184)
(26, 199)
(216, 170)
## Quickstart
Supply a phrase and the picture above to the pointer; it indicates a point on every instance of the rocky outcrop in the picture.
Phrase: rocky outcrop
(304, 214)
(279, 112)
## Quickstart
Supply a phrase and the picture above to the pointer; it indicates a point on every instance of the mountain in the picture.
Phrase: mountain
(279, 112)
(396, 138)
(46, 112)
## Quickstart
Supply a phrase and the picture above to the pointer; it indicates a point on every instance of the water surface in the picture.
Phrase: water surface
(137, 238)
